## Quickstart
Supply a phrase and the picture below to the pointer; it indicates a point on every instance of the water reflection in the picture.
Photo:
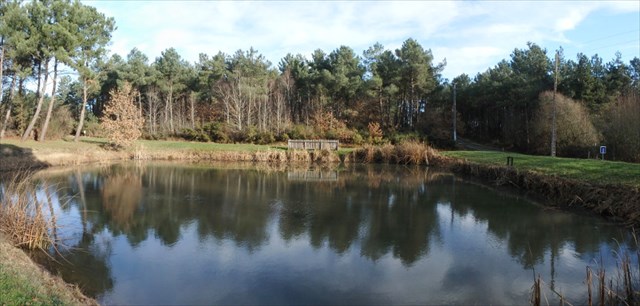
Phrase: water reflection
(453, 239)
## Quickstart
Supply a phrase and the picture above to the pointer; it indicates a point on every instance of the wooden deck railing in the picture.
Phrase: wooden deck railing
(312, 175)
(313, 144)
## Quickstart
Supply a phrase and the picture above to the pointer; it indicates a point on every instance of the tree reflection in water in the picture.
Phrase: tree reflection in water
(377, 211)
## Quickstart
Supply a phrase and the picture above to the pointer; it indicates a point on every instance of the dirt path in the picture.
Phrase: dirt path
(466, 144)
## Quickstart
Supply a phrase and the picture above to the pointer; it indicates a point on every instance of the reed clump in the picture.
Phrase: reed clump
(620, 287)
(22, 219)
(405, 153)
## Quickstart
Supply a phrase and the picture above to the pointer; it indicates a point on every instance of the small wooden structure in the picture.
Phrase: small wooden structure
(313, 144)
(313, 175)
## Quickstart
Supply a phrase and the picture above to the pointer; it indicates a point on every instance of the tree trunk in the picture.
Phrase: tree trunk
(9, 106)
(193, 110)
(150, 111)
(6, 121)
(170, 107)
(140, 103)
(1, 68)
(82, 110)
(45, 126)
(40, 101)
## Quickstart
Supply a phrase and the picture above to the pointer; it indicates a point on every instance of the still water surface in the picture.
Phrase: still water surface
(162, 233)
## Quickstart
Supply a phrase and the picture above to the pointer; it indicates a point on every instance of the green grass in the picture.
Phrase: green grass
(15, 290)
(590, 170)
(58, 145)
(90, 143)
(162, 145)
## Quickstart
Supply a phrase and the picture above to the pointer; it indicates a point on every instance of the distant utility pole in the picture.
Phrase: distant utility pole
(553, 120)
(454, 113)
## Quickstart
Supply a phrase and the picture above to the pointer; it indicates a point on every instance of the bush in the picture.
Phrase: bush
(194, 135)
(264, 138)
(218, 132)
(156, 136)
(375, 133)
(250, 135)
(410, 152)
(22, 219)
(62, 123)
(621, 128)
(576, 133)
(399, 138)
(92, 126)
(122, 121)
(300, 131)
(283, 137)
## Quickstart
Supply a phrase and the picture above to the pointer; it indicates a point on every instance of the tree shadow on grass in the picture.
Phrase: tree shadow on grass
(105, 145)
(14, 158)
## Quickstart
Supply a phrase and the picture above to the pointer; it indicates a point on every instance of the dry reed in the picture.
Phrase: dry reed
(622, 289)
(22, 219)
(406, 153)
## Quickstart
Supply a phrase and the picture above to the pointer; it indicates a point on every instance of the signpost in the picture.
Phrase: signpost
(603, 151)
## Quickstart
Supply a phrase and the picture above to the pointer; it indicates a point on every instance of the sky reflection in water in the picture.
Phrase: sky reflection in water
(235, 234)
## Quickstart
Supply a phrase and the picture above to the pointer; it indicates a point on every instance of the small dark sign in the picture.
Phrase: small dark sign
(603, 149)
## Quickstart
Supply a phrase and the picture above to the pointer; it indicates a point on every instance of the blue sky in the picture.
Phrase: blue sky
(471, 35)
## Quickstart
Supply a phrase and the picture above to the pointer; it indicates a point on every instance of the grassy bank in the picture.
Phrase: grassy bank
(24, 283)
(24, 225)
(15, 154)
(610, 189)
(588, 170)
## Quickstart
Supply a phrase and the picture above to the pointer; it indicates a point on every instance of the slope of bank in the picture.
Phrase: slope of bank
(610, 189)
(607, 188)
(23, 282)
(15, 155)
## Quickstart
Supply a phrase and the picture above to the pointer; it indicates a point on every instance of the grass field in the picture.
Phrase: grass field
(65, 152)
(67, 144)
(24, 283)
(590, 170)
(16, 290)
(594, 171)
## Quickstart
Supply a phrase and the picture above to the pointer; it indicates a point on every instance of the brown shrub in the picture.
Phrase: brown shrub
(375, 133)
(621, 127)
(408, 153)
(121, 120)
(576, 133)
(22, 219)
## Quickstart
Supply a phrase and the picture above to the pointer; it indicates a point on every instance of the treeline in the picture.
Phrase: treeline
(381, 95)
(242, 97)
(511, 104)
(36, 39)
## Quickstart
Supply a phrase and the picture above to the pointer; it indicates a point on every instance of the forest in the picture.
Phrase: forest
(58, 79)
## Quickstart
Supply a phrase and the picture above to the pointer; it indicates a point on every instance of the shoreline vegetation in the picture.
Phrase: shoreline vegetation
(610, 189)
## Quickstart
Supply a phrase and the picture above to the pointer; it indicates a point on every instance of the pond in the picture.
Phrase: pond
(167, 233)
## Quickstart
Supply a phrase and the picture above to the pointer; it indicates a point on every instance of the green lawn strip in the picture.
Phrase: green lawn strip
(16, 290)
(590, 170)
(91, 143)
(58, 145)
(163, 145)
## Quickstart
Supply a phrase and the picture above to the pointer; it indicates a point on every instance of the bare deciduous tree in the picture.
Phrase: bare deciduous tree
(122, 121)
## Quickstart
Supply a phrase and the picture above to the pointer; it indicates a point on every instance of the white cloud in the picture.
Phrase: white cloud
(473, 34)
(466, 59)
